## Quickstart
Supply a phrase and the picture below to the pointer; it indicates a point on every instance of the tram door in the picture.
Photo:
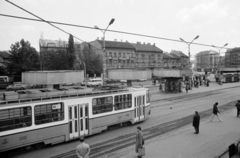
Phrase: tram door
(78, 120)
(139, 108)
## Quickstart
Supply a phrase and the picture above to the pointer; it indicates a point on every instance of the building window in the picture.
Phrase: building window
(119, 54)
(102, 105)
(115, 55)
(123, 54)
(47, 113)
(122, 101)
(110, 54)
(15, 118)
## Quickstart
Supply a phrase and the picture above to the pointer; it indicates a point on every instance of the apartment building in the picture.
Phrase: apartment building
(232, 58)
(119, 54)
(207, 61)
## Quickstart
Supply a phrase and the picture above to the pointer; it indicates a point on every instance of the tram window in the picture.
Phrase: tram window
(15, 118)
(122, 101)
(47, 113)
(102, 105)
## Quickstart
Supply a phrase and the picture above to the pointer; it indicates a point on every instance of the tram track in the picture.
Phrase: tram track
(110, 146)
(104, 148)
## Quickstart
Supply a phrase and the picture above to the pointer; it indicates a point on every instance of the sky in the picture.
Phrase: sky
(217, 22)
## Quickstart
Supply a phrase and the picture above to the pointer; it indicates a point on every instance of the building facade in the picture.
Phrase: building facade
(184, 59)
(207, 61)
(48, 46)
(232, 58)
(120, 54)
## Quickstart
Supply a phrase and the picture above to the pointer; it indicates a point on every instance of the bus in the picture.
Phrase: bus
(4, 82)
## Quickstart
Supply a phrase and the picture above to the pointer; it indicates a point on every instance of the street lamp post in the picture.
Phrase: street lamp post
(189, 43)
(84, 69)
(104, 49)
(219, 51)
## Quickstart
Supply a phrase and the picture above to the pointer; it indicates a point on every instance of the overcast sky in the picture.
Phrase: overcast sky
(215, 21)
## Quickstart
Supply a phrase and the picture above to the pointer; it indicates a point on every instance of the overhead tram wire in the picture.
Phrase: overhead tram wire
(43, 20)
(122, 32)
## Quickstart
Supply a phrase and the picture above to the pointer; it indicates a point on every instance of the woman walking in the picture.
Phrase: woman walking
(216, 112)
(139, 140)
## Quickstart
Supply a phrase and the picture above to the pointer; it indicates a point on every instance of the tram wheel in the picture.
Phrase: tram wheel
(38, 146)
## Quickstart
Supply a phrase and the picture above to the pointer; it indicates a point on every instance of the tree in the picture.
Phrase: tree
(3, 71)
(70, 51)
(55, 60)
(93, 61)
(23, 57)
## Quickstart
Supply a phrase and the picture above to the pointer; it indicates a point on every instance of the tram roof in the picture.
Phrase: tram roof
(28, 96)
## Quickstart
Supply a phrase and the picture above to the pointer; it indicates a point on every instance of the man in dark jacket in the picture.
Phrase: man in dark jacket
(238, 107)
(196, 122)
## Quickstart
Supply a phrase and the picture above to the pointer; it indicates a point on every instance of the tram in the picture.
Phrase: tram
(37, 121)
(228, 75)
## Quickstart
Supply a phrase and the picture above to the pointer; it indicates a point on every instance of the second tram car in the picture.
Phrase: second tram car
(55, 119)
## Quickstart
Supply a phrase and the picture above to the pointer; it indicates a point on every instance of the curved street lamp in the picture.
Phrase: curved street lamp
(189, 43)
(104, 31)
(219, 51)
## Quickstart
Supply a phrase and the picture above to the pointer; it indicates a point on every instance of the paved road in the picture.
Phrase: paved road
(163, 119)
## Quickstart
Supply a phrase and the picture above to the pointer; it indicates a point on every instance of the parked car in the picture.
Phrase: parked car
(123, 81)
(84, 82)
(142, 80)
(38, 86)
(95, 82)
(17, 86)
(69, 84)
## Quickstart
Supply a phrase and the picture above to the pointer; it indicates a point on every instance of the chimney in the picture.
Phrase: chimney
(149, 43)
(144, 43)
(154, 44)
(138, 42)
(97, 38)
(102, 38)
(121, 40)
(115, 40)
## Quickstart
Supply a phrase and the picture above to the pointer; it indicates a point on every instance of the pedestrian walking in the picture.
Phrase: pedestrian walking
(139, 141)
(186, 87)
(238, 107)
(196, 122)
(216, 112)
(83, 149)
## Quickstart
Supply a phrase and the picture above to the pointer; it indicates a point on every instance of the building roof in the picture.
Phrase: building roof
(234, 49)
(116, 44)
(146, 47)
(178, 53)
(175, 56)
(171, 56)
(207, 52)
(54, 43)
(4, 54)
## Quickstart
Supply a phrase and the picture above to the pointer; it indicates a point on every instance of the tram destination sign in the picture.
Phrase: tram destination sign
(56, 106)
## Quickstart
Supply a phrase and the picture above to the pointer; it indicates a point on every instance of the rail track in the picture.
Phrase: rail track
(110, 146)
(104, 148)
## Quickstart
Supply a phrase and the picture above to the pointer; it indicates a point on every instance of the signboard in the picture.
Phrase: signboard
(56, 106)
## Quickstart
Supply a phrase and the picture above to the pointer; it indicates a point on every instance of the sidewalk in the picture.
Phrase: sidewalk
(212, 141)
(213, 86)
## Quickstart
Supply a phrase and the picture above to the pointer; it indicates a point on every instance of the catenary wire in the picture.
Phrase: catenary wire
(87, 27)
